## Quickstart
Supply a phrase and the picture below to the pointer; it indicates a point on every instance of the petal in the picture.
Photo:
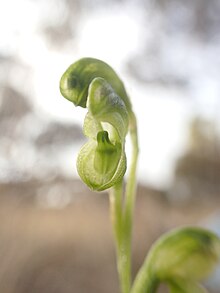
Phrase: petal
(76, 79)
(101, 165)
(91, 126)
(106, 106)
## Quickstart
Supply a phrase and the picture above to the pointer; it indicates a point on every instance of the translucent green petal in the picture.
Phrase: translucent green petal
(101, 164)
(106, 106)
(91, 126)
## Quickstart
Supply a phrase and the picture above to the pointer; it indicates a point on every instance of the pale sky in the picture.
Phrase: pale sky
(163, 113)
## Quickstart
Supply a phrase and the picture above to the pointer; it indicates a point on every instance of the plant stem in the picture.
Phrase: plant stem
(130, 194)
(122, 216)
(131, 182)
(116, 215)
(116, 210)
(144, 283)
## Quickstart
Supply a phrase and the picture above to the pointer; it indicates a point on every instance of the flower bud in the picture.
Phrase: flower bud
(180, 258)
(189, 253)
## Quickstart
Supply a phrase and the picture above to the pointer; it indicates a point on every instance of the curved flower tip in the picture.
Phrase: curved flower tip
(75, 81)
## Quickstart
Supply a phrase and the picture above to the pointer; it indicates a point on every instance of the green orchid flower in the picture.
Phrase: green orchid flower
(180, 258)
(93, 84)
(102, 161)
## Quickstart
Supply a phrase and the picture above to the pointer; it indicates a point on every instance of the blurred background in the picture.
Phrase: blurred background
(55, 235)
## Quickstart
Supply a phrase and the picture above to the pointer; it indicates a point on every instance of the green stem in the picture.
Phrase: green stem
(130, 194)
(122, 216)
(131, 182)
(116, 215)
(116, 210)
